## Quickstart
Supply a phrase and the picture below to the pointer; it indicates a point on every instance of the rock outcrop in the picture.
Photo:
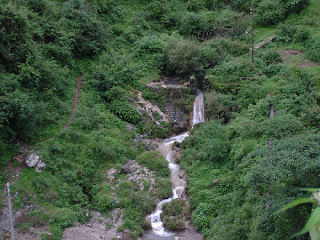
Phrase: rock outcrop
(34, 160)
(130, 167)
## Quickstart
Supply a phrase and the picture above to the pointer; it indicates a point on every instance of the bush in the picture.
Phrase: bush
(154, 161)
(150, 44)
(286, 32)
(163, 188)
(271, 57)
(235, 48)
(125, 111)
(103, 202)
(174, 208)
(183, 54)
(195, 6)
(230, 71)
(218, 106)
(209, 144)
(313, 46)
(270, 12)
(250, 94)
(173, 223)
(213, 53)
(13, 36)
(202, 216)
(192, 23)
(282, 125)
(115, 93)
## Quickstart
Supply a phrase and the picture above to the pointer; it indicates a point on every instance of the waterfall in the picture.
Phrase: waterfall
(178, 184)
(198, 109)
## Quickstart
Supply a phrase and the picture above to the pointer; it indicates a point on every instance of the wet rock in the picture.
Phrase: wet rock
(146, 224)
(40, 166)
(130, 166)
(32, 159)
(182, 174)
(152, 144)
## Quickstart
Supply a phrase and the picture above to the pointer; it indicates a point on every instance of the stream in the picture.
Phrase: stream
(158, 232)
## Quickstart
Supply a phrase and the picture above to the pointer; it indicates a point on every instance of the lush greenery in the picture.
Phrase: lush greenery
(236, 181)
(242, 165)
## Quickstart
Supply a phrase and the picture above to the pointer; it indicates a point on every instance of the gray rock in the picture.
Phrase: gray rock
(40, 166)
(138, 138)
(32, 159)
(152, 144)
(130, 167)
(130, 128)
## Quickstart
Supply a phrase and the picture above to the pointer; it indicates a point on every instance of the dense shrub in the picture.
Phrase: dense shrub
(192, 23)
(115, 93)
(13, 36)
(125, 111)
(251, 93)
(154, 161)
(90, 32)
(149, 44)
(270, 12)
(173, 223)
(183, 54)
(282, 125)
(209, 144)
(313, 51)
(288, 33)
(271, 57)
(232, 70)
(174, 208)
(218, 106)
(235, 48)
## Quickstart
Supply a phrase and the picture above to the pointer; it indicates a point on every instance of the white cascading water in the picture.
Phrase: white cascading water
(178, 184)
(198, 109)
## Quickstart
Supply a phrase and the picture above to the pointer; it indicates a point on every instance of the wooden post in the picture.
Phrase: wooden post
(10, 212)
(252, 40)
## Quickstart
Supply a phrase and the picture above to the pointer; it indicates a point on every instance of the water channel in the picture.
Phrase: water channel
(158, 232)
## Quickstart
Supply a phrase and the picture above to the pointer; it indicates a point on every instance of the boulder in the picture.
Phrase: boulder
(130, 167)
(32, 159)
(40, 166)
(152, 144)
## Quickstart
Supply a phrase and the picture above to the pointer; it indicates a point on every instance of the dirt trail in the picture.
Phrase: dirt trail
(75, 100)
(13, 172)
(297, 58)
(74, 107)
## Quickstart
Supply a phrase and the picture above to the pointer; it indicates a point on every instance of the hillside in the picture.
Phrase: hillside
(79, 85)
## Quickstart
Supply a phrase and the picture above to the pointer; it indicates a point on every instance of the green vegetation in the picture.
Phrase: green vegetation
(154, 161)
(236, 181)
(173, 215)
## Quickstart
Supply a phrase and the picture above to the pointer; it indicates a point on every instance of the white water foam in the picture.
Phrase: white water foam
(198, 109)
(198, 116)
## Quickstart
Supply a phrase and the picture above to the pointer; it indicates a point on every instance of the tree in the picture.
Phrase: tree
(183, 54)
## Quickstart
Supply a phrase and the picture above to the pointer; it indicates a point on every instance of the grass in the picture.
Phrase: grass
(314, 73)
(261, 33)
(271, 86)
(152, 76)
